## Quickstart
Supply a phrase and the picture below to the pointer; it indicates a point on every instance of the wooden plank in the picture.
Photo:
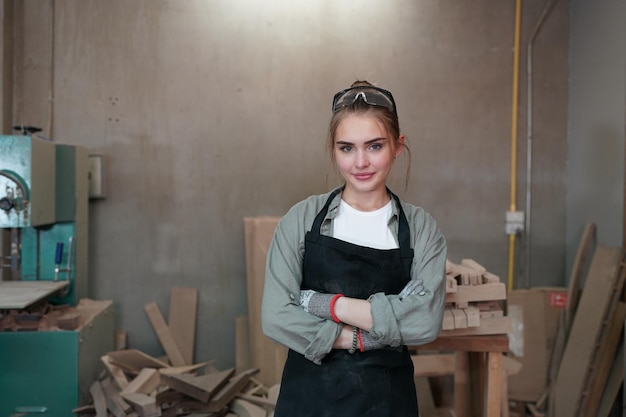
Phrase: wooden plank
(266, 355)
(488, 326)
(475, 293)
(258, 400)
(472, 314)
(163, 333)
(586, 246)
(175, 370)
(99, 402)
(603, 361)
(462, 386)
(115, 403)
(133, 360)
(243, 408)
(460, 319)
(433, 364)
(143, 404)
(493, 394)
(613, 385)
(121, 340)
(146, 382)
(202, 387)
(182, 320)
(243, 357)
(116, 372)
(448, 319)
(493, 343)
(230, 391)
(598, 288)
(21, 294)
(472, 264)
(426, 402)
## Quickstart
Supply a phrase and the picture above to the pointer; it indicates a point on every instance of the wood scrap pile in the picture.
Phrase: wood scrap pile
(140, 385)
(137, 384)
(473, 301)
(43, 316)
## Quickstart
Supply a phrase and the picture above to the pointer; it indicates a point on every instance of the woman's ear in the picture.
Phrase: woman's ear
(400, 146)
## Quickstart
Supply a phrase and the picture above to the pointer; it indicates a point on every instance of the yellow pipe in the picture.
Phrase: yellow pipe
(516, 54)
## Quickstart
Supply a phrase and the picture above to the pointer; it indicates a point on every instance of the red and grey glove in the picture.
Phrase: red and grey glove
(320, 304)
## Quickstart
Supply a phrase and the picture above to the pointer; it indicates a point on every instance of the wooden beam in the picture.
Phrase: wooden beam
(182, 320)
(143, 404)
(116, 372)
(146, 382)
(133, 360)
(164, 335)
(99, 401)
(433, 364)
(202, 387)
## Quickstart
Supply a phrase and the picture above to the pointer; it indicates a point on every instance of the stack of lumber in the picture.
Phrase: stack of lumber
(473, 301)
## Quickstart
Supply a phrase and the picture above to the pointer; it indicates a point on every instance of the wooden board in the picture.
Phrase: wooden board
(164, 335)
(266, 355)
(433, 364)
(133, 360)
(585, 250)
(144, 383)
(182, 320)
(474, 293)
(243, 357)
(99, 402)
(608, 345)
(581, 344)
(488, 326)
(201, 387)
(21, 294)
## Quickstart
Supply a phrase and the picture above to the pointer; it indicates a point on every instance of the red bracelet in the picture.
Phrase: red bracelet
(332, 308)
(361, 348)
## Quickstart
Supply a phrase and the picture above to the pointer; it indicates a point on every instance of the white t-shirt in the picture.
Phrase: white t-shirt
(364, 228)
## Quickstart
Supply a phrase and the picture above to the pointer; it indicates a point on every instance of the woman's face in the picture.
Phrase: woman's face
(364, 153)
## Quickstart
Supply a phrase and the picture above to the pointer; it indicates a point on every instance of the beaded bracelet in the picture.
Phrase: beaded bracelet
(355, 340)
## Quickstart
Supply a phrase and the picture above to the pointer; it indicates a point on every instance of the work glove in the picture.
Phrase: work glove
(415, 286)
(319, 304)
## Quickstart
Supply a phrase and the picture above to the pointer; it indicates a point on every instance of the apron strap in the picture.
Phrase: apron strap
(404, 232)
(317, 223)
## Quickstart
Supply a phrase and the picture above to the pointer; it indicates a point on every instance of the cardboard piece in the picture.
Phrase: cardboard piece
(534, 313)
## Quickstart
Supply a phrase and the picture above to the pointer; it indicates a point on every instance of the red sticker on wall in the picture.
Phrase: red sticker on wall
(558, 299)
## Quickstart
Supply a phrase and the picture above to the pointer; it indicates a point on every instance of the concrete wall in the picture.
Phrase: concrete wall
(597, 118)
(209, 112)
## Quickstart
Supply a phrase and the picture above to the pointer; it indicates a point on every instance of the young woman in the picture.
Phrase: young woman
(354, 276)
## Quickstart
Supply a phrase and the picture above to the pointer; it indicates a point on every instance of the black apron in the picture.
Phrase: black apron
(373, 383)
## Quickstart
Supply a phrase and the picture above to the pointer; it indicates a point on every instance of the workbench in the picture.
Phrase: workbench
(479, 379)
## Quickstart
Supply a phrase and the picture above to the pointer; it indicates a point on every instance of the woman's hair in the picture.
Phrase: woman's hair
(387, 118)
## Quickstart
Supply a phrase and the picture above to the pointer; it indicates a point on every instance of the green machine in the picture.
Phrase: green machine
(45, 369)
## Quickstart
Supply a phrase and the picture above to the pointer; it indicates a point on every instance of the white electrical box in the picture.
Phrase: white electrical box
(96, 176)
(514, 222)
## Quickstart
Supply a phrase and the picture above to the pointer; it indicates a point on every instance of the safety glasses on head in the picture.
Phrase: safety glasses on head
(371, 95)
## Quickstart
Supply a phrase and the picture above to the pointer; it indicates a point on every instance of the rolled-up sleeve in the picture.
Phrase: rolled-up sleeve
(282, 318)
(416, 318)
